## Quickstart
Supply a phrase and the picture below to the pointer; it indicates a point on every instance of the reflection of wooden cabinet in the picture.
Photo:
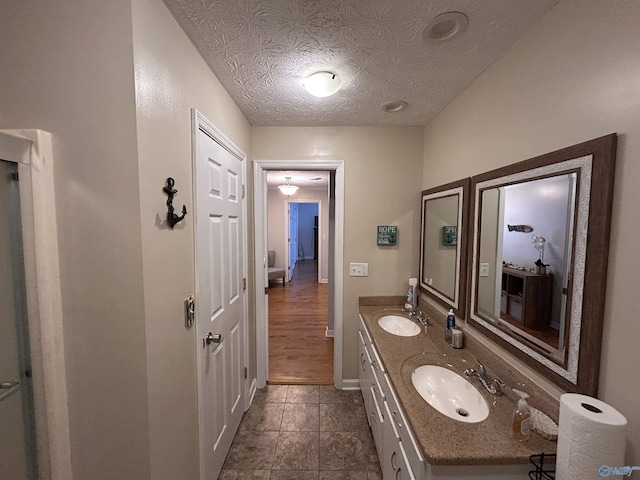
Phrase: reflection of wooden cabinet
(526, 297)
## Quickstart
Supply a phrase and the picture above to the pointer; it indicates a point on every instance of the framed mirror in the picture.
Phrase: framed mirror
(443, 244)
(539, 259)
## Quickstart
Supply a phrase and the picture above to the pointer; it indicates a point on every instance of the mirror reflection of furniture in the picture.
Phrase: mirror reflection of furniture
(443, 246)
(566, 198)
(525, 302)
(274, 272)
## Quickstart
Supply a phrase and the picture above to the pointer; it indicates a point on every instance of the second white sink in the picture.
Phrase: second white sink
(450, 393)
(397, 325)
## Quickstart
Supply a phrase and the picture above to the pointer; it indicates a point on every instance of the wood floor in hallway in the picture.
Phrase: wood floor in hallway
(299, 351)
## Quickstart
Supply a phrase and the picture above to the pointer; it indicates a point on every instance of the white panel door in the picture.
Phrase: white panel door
(219, 300)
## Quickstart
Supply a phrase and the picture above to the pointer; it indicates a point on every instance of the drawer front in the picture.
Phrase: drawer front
(375, 358)
(515, 308)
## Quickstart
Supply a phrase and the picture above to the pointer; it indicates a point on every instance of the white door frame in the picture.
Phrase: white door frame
(33, 152)
(260, 168)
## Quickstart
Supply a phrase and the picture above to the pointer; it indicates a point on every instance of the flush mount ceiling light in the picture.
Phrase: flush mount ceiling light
(445, 27)
(322, 84)
(288, 189)
(395, 106)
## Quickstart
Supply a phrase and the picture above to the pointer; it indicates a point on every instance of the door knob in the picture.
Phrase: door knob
(212, 338)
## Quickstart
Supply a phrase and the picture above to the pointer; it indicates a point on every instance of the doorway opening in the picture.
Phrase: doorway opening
(300, 353)
(326, 282)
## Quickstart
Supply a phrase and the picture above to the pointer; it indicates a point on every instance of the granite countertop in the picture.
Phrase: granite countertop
(445, 441)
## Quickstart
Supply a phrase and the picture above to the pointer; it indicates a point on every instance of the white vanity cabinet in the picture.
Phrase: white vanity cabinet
(398, 451)
(400, 458)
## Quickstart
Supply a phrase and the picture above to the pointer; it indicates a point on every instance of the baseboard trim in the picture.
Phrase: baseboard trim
(252, 392)
(350, 384)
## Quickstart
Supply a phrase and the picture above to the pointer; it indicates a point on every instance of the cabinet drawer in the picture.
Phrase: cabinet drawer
(375, 358)
(515, 308)
(504, 298)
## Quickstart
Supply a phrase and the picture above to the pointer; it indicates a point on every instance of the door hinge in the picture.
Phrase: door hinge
(244, 284)
(266, 290)
(246, 373)
(243, 193)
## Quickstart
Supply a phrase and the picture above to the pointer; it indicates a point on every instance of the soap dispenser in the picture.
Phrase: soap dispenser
(522, 418)
(451, 324)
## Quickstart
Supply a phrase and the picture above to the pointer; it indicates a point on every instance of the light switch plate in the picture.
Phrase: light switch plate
(483, 271)
(358, 269)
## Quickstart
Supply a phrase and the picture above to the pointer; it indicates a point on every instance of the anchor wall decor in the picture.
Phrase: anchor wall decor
(172, 218)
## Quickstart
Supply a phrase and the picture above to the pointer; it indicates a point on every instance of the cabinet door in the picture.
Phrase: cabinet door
(364, 373)
(394, 462)
(376, 422)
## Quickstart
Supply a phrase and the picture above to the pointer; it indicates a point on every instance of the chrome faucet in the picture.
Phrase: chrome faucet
(493, 385)
(422, 318)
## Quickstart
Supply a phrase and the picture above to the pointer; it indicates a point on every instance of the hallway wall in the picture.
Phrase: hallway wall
(171, 78)
(575, 76)
(114, 83)
(67, 67)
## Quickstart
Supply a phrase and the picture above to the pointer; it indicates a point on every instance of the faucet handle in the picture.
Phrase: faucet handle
(482, 369)
(498, 386)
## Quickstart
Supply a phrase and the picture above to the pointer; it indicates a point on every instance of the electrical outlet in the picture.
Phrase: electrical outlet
(483, 271)
(358, 269)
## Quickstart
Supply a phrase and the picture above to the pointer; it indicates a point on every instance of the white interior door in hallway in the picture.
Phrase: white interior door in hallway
(220, 296)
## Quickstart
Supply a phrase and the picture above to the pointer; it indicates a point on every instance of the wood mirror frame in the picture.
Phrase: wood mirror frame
(460, 191)
(587, 286)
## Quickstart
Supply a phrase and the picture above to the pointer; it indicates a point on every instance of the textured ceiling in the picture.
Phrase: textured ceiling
(260, 50)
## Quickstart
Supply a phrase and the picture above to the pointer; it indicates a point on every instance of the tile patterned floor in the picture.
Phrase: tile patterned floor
(302, 432)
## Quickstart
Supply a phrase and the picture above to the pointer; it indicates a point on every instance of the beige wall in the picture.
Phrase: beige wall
(382, 187)
(55, 77)
(114, 82)
(573, 77)
(171, 78)
(276, 228)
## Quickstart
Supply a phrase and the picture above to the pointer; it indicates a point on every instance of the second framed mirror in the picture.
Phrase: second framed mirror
(443, 245)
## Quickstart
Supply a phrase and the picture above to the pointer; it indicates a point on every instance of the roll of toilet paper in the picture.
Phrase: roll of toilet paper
(591, 435)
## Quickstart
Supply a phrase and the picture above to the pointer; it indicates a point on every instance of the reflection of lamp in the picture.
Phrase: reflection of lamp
(538, 243)
(288, 189)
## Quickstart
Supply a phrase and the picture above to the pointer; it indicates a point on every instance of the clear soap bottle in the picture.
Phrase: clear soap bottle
(522, 418)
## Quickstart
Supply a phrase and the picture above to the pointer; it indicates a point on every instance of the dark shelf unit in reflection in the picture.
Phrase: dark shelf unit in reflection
(526, 297)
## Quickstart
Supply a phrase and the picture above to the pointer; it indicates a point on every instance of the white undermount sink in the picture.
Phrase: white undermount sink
(450, 393)
(397, 325)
